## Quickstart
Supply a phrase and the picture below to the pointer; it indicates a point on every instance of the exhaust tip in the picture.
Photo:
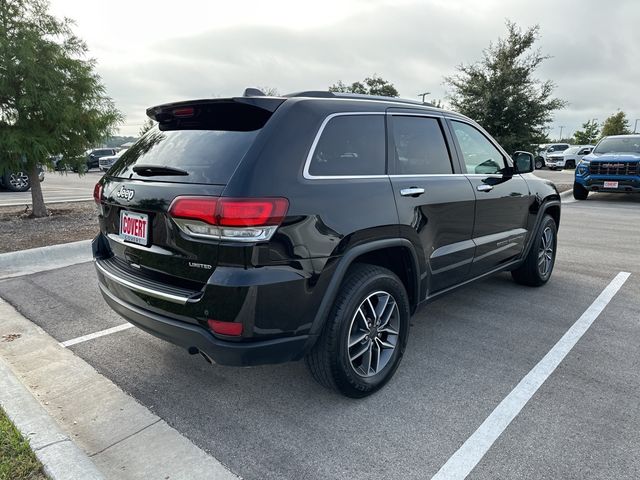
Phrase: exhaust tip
(207, 358)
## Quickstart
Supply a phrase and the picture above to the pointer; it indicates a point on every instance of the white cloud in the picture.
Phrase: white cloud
(165, 51)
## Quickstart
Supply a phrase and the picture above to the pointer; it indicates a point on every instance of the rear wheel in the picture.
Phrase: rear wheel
(17, 182)
(365, 335)
(579, 192)
(538, 265)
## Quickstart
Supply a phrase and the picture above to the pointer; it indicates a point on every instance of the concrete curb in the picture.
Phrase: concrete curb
(17, 203)
(123, 439)
(61, 458)
(24, 262)
(566, 194)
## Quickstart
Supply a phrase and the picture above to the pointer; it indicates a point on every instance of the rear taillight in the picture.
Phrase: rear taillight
(97, 193)
(237, 219)
(225, 328)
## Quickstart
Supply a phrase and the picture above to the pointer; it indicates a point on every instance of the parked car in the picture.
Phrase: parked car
(569, 158)
(93, 158)
(105, 163)
(257, 230)
(612, 166)
(541, 157)
(18, 181)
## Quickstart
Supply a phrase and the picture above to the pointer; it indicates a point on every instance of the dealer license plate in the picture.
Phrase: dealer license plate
(610, 184)
(134, 227)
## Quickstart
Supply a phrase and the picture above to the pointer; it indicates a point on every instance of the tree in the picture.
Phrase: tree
(373, 85)
(501, 92)
(616, 124)
(589, 133)
(51, 100)
(146, 126)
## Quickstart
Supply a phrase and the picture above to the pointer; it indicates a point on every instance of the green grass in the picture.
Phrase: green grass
(17, 461)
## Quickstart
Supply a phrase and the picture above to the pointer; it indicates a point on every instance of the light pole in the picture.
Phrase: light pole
(635, 127)
(561, 127)
(423, 95)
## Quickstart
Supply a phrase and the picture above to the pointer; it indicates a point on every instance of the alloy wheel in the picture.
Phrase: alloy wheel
(373, 333)
(545, 253)
(19, 180)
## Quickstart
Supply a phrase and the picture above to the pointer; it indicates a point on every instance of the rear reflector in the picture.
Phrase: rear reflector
(225, 328)
(239, 219)
(97, 193)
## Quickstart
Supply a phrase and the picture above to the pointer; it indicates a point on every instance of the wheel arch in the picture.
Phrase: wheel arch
(396, 254)
(551, 207)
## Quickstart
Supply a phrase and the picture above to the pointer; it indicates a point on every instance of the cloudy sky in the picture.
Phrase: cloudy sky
(155, 52)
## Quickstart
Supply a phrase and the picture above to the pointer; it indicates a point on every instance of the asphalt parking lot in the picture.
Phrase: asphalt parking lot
(466, 353)
(58, 187)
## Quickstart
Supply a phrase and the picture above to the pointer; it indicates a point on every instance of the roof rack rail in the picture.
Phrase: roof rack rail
(356, 96)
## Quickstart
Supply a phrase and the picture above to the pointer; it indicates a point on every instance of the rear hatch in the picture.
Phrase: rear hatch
(193, 151)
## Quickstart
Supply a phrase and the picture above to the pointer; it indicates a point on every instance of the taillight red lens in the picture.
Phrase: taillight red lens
(231, 212)
(254, 212)
(225, 328)
(197, 208)
(97, 193)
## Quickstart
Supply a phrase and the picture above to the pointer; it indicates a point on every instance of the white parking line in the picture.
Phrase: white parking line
(91, 336)
(471, 452)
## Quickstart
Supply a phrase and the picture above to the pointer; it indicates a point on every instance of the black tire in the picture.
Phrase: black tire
(539, 163)
(330, 361)
(570, 164)
(579, 192)
(537, 267)
(17, 182)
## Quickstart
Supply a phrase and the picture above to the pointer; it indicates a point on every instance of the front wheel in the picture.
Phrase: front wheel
(539, 162)
(579, 192)
(17, 182)
(538, 265)
(365, 335)
(571, 164)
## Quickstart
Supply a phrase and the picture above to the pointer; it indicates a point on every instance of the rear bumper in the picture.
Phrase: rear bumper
(197, 339)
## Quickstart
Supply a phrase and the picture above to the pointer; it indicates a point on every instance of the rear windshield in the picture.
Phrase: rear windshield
(619, 145)
(209, 156)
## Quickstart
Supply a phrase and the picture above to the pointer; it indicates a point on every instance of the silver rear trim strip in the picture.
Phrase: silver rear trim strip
(179, 299)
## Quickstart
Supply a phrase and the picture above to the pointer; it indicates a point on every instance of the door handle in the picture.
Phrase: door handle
(412, 192)
(484, 188)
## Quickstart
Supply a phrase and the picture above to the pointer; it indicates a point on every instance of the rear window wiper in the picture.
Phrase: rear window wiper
(147, 170)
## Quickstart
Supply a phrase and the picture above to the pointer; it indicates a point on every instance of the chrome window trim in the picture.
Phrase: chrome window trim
(179, 299)
(307, 163)
(328, 118)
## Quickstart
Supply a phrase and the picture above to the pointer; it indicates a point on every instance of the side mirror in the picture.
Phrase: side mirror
(523, 162)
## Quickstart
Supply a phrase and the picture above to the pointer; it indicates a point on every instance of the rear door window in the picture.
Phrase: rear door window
(350, 145)
(209, 156)
(420, 147)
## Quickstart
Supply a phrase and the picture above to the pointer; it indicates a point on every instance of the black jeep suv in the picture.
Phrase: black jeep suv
(260, 230)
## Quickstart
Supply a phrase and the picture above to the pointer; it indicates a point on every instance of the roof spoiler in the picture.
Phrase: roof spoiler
(237, 113)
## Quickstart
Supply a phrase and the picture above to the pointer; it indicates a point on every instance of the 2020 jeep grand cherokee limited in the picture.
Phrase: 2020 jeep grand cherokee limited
(260, 230)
